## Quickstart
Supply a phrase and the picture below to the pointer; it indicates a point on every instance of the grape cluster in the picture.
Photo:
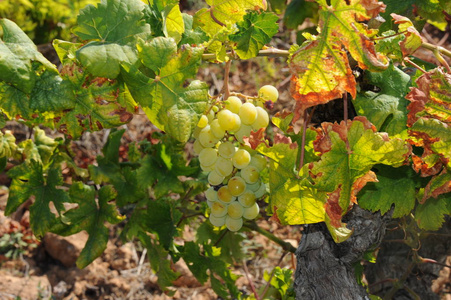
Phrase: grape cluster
(233, 170)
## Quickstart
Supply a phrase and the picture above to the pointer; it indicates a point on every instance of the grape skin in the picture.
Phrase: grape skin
(268, 92)
(214, 178)
(224, 166)
(241, 159)
(251, 213)
(226, 150)
(233, 224)
(224, 195)
(219, 209)
(235, 210)
(203, 121)
(208, 156)
(248, 113)
(217, 221)
(250, 174)
(233, 104)
(237, 186)
(226, 119)
(262, 120)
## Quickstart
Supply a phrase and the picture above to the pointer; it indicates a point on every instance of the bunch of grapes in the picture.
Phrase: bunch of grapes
(233, 171)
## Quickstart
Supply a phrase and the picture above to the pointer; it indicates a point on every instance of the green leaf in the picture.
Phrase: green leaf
(173, 25)
(90, 215)
(159, 261)
(347, 155)
(17, 53)
(7, 144)
(381, 196)
(99, 103)
(387, 108)
(292, 202)
(51, 94)
(431, 215)
(299, 10)
(230, 243)
(162, 218)
(114, 26)
(192, 36)
(169, 105)
(226, 12)
(255, 31)
(199, 262)
(29, 179)
(14, 103)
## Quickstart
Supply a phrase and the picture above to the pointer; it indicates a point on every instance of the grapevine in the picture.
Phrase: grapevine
(252, 160)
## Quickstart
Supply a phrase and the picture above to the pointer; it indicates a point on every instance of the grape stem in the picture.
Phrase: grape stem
(225, 88)
(251, 283)
(285, 245)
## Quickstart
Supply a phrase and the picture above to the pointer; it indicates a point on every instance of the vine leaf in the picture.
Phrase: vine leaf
(30, 179)
(292, 202)
(412, 40)
(7, 144)
(320, 67)
(429, 115)
(387, 108)
(199, 262)
(380, 196)
(17, 54)
(114, 27)
(347, 155)
(92, 212)
(162, 218)
(431, 215)
(253, 33)
(170, 105)
(224, 12)
(440, 184)
(158, 258)
(173, 25)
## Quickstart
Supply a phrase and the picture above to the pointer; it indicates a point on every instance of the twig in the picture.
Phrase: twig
(141, 261)
(221, 237)
(215, 19)
(440, 49)
(251, 283)
(414, 64)
(400, 282)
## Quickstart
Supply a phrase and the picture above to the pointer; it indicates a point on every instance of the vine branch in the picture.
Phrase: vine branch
(285, 245)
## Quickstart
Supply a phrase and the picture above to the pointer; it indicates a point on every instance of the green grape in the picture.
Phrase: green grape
(215, 109)
(261, 191)
(224, 166)
(208, 156)
(196, 132)
(207, 168)
(236, 185)
(262, 120)
(241, 159)
(247, 199)
(210, 115)
(219, 209)
(259, 162)
(214, 178)
(233, 104)
(268, 92)
(216, 129)
(203, 121)
(210, 203)
(217, 221)
(224, 194)
(226, 119)
(255, 186)
(250, 174)
(197, 147)
(251, 213)
(235, 210)
(206, 138)
(248, 113)
(245, 130)
(237, 123)
(226, 150)
(233, 224)
(211, 194)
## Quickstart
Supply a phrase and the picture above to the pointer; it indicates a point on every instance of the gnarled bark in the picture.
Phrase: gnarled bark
(324, 269)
